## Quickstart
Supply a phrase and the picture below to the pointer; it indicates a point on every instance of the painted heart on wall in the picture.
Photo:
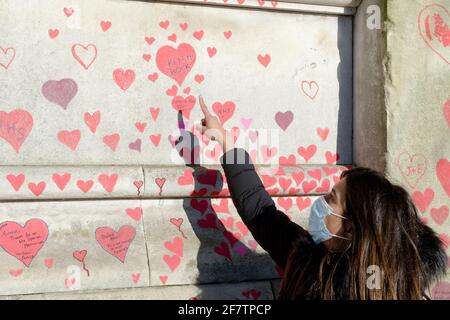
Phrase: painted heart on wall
(434, 28)
(116, 243)
(25, 242)
(176, 63)
(15, 127)
(60, 92)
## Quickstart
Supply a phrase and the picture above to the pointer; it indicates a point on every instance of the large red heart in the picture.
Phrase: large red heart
(176, 63)
(23, 243)
(434, 28)
(116, 243)
(15, 127)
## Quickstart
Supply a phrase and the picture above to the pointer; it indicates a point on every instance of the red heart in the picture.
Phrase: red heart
(285, 203)
(210, 222)
(16, 181)
(105, 25)
(232, 238)
(80, 255)
(164, 24)
(303, 203)
(154, 112)
(23, 243)
(298, 177)
(224, 111)
(70, 138)
(434, 28)
(222, 207)
(316, 174)
(153, 77)
(439, 215)
(331, 158)
(423, 200)
(199, 205)
(307, 153)
(68, 11)
(176, 63)
(198, 35)
(135, 214)
(323, 133)
(53, 33)
(37, 189)
(116, 243)
(208, 177)
(187, 178)
(149, 40)
(308, 186)
(15, 127)
(172, 261)
(223, 250)
(264, 60)
(211, 51)
(92, 120)
(85, 186)
(176, 246)
(124, 78)
(413, 167)
(185, 105)
(443, 174)
(111, 141)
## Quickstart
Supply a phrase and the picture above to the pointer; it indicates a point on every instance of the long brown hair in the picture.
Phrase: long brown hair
(386, 232)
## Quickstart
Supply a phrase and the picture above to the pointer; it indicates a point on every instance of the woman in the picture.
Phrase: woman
(365, 239)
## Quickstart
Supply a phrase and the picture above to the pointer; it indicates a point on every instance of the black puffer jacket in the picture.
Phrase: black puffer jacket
(277, 234)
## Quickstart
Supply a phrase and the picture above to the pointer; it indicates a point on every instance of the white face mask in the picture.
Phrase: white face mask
(317, 227)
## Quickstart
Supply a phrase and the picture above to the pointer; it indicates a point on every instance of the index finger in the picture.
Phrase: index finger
(204, 108)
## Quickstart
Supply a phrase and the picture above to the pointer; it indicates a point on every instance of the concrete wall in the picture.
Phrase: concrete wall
(417, 105)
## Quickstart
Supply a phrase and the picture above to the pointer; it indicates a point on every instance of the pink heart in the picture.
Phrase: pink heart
(163, 279)
(7, 58)
(185, 105)
(264, 60)
(176, 222)
(149, 40)
(172, 37)
(164, 24)
(323, 133)
(111, 141)
(176, 63)
(85, 186)
(153, 77)
(423, 200)
(302, 203)
(135, 277)
(224, 111)
(199, 78)
(70, 138)
(176, 246)
(116, 243)
(49, 263)
(331, 158)
(37, 189)
(308, 186)
(198, 35)
(227, 34)
(284, 119)
(172, 261)
(211, 51)
(447, 112)
(440, 215)
(187, 178)
(252, 244)
(135, 214)
(246, 122)
(23, 243)
(441, 291)
(443, 174)
(146, 57)
(92, 120)
(84, 55)
(53, 33)
(155, 139)
(307, 153)
(16, 181)
(310, 89)
(60, 92)
(154, 112)
(105, 25)
(108, 181)
(80, 255)
(15, 127)
(434, 28)
(16, 273)
(124, 78)
(68, 11)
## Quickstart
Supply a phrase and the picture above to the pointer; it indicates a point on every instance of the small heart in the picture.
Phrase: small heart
(61, 180)
(136, 145)
(70, 138)
(135, 277)
(154, 112)
(105, 25)
(92, 120)
(16, 273)
(198, 35)
(49, 263)
(199, 78)
(149, 40)
(53, 33)
(16, 181)
(124, 78)
(212, 51)
(111, 141)
(264, 60)
(164, 24)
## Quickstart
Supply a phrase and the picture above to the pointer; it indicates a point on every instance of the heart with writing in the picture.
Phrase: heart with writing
(15, 127)
(176, 63)
(25, 242)
(116, 243)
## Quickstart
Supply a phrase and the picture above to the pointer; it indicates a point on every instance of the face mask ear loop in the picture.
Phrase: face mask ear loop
(338, 215)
